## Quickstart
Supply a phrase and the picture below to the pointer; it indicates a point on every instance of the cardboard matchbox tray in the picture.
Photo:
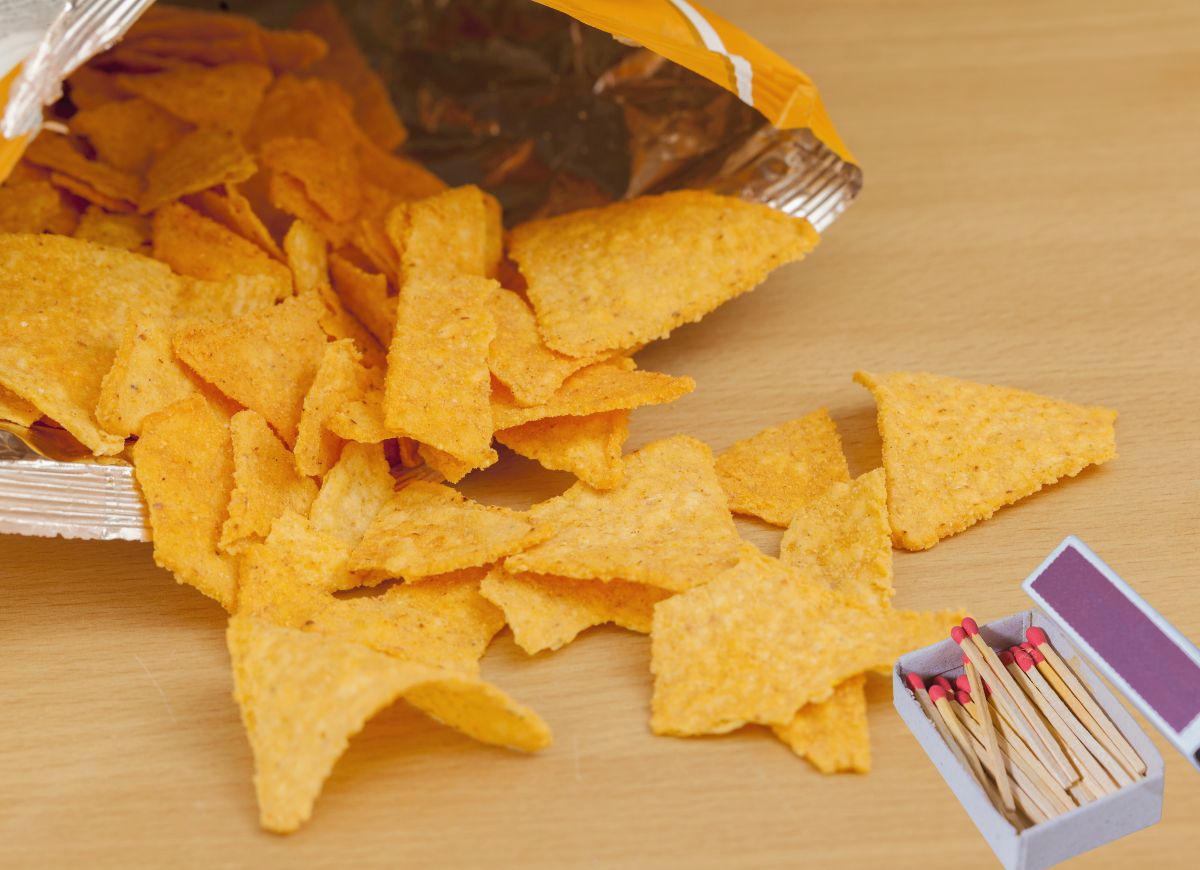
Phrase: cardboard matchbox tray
(1134, 807)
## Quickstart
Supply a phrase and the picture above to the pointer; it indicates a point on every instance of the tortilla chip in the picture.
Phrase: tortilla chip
(361, 418)
(340, 379)
(666, 525)
(772, 474)
(191, 244)
(588, 447)
(429, 529)
(955, 451)
(265, 361)
(518, 357)
(843, 539)
(130, 232)
(449, 233)
(223, 300)
(437, 390)
(128, 134)
(346, 65)
(290, 51)
(266, 484)
(404, 179)
(365, 295)
(302, 697)
(609, 386)
(305, 109)
(67, 304)
(761, 641)
(145, 377)
(58, 154)
(353, 492)
(14, 409)
(171, 51)
(231, 208)
(446, 465)
(833, 735)
(206, 157)
(547, 613)
(307, 257)
(628, 273)
(35, 207)
(224, 97)
(328, 176)
(183, 463)
(88, 88)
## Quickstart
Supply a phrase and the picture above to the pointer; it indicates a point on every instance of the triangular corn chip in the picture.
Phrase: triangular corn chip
(438, 389)
(328, 176)
(67, 304)
(128, 231)
(452, 233)
(307, 257)
(609, 386)
(429, 529)
(36, 207)
(145, 377)
(303, 696)
(183, 463)
(833, 735)
(452, 469)
(353, 492)
(128, 134)
(340, 379)
(266, 483)
(361, 418)
(265, 361)
(14, 409)
(222, 300)
(231, 208)
(589, 447)
(365, 295)
(58, 154)
(547, 612)
(628, 273)
(955, 451)
(772, 474)
(205, 157)
(666, 525)
(223, 96)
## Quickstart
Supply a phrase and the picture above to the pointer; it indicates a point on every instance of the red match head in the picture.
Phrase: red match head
(962, 682)
(945, 684)
(970, 626)
(1006, 657)
(1036, 655)
(987, 690)
(966, 659)
(1027, 646)
(1024, 662)
(936, 693)
(1036, 636)
(958, 635)
(962, 697)
(915, 681)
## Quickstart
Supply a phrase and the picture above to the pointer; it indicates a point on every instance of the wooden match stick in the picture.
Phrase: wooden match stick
(1003, 698)
(1072, 687)
(1091, 766)
(1017, 753)
(938, 696)
(917, 684)
(1031, 802)
(989, 741)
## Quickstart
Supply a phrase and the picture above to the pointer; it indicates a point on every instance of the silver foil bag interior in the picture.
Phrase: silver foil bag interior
(548, 114)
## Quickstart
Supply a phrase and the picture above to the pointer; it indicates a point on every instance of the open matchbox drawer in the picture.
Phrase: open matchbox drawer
(1113, 816)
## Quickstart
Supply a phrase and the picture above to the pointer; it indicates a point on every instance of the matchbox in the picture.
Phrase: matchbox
(1108, 818)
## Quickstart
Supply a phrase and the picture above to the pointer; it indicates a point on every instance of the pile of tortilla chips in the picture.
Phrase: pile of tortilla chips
(224, 273)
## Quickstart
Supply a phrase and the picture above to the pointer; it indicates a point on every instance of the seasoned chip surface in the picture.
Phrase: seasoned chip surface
(955, 451)
(772, 474)
(145, 377)
(833, 735)
(353, 492)
(666, 525)
(339, 379)
(589, 446)
(628, 273)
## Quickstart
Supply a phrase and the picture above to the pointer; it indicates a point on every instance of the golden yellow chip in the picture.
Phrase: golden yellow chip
(290, 51)
(666, 525)
(761, 641)
(338, 323)
(361, 418)
(145, 377)
(306, 109)
(833, 735)
(628, 273)
(66, 306)
(609, 386)
(206, 157)
(547, 613)
(90, 194)
(288, 196)
(772, 474)
(955, 452)
(266, 483)
(232, 208)
(353, 492)
(60, 156)
(191, 244)
(222, 300)
(843, 539)
(446, 465)
(429, 529)
(224, 96)
(183, 463)
(451, 233)
(307, 257)
(588, 447)
(303, 696)
(128, 134)
(438, 389)
(340, 379)
(128, 231)
(365, 295)
(35, 206)
(405, 179)
(329, 177)
(346, 65)
(518, 357)
(14, 409)
(264, 361)
(89, 87)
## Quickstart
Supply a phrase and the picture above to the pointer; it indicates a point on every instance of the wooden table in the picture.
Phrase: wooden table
(1031, 217)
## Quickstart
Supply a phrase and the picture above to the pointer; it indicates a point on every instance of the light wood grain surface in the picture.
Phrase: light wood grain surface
(1031, 217)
